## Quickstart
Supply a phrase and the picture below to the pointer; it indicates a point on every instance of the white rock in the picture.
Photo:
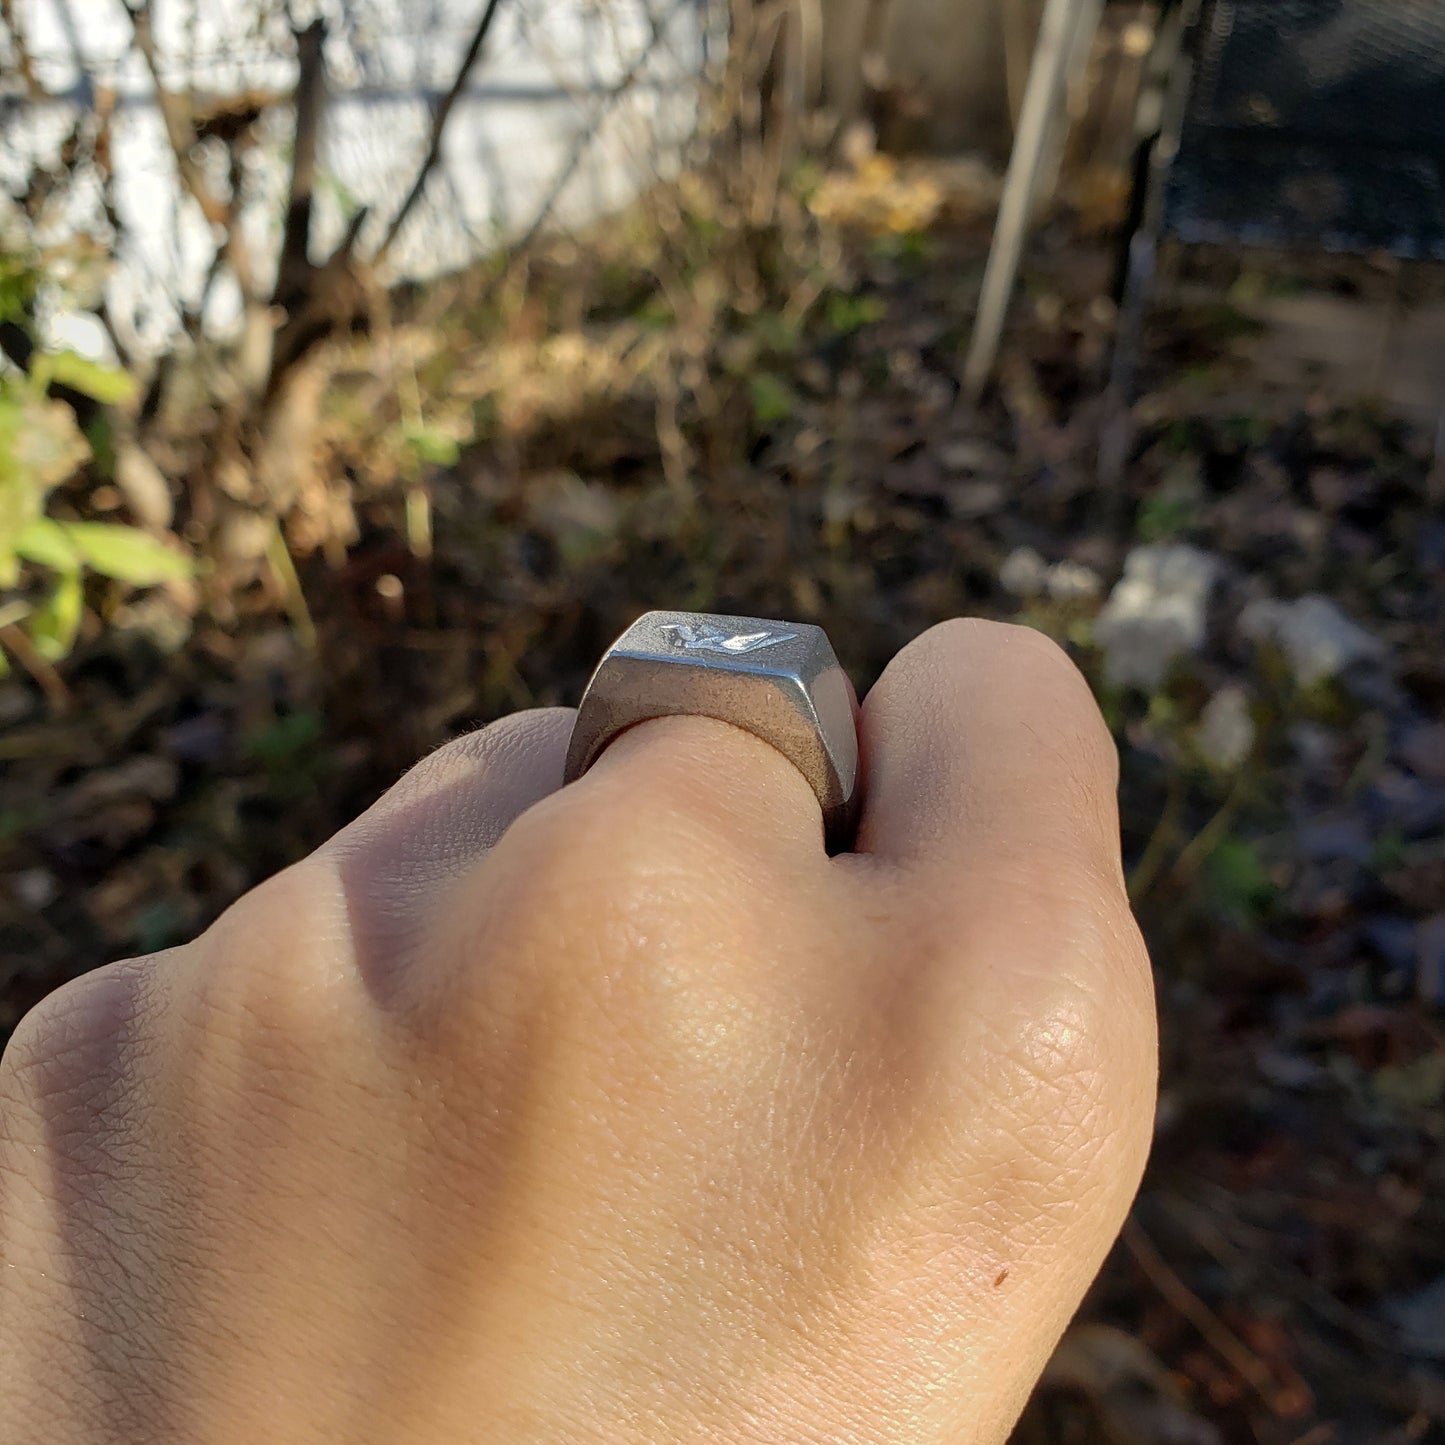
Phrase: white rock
(35, 887)
(978, 458)
(1073, 582)
(1024, 573)
(1226, 729)
(1157, 612)
(1319, 641)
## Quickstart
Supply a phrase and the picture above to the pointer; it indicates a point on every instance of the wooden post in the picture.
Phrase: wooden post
(1064, 34)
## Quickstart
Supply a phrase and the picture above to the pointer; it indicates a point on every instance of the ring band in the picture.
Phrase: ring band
(780, 681)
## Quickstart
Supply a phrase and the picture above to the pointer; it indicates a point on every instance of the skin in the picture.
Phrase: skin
(616, 1113)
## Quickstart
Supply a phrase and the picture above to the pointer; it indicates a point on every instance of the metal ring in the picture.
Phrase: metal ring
(780, 681)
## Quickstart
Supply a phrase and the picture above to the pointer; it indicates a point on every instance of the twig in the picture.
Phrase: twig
(123, 356)
(1151, 862)
(768, 100)
(1200, 1217)
(318, 301)
(418, 502)
(1215, 1333)
(293, 598)
(1196, 852)
(671, 443)
(175, 112)
(103, 151)
(580, 147)
(438, 127)
(20, 647)
(294, 269)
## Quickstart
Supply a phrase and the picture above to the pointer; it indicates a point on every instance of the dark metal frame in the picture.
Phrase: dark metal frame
(1294, 169)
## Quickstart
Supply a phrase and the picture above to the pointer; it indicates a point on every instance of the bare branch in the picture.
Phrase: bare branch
(102, 157)
(294, 270)
(175, 111)
(585, 138)
(117, 341)
(236, 253)
(438, 127)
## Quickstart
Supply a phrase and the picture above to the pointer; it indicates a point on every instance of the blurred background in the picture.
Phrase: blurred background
(367, 367)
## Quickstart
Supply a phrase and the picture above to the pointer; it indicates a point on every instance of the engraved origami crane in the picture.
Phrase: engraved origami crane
(704, 637)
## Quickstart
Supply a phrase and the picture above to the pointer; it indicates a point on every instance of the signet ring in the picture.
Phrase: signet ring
(777, 680)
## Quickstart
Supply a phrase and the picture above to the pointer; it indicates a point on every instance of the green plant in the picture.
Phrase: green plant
(776, 332)
(291, 751)
(1388, 852)
(910, 248)
(1164, 514)
(773, 400)
(1237, 880)
(428, 446)
(287, 741)
(847, 314)
(41, 446)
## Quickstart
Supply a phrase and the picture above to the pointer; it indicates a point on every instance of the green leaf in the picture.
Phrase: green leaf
(777, 332)
(282, 742)
(53, 625)
(430, 444)
(127, 554)
(19, 281)
(108, 385)
(100, 434)
(47, 543)
(1388, 852)
(40, 446)
(1164, 514)
(1239, 885)
(847, 314)
(772, 398)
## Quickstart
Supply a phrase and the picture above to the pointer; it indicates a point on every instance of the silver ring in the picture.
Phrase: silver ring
(778, 680)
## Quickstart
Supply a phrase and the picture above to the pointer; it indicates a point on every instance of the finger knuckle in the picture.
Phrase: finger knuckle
(611, 844)
(608, 919)
(501, 745)
(1053, 996)
(275, 967)
(1075, 1065)
(72, 1052)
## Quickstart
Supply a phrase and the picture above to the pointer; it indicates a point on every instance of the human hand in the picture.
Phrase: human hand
(615, 1113)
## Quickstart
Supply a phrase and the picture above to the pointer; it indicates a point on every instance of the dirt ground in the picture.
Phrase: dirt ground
(582, 445)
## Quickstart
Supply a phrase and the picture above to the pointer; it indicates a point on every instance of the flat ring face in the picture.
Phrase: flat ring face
(778, 680)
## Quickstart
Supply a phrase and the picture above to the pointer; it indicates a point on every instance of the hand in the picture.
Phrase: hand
(619, 1113)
